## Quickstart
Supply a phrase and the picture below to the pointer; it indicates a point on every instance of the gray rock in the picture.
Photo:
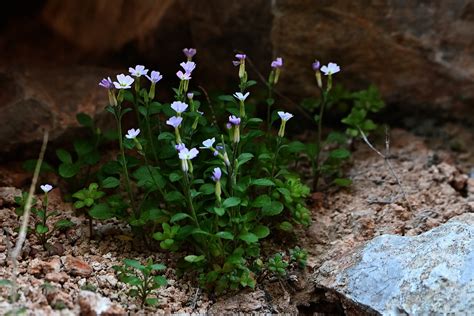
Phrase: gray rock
(397, 275)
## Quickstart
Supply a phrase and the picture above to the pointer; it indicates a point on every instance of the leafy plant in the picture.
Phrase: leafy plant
(42, 229)
(142, 279)
(300, 256)
(88, 197)
(277, 265)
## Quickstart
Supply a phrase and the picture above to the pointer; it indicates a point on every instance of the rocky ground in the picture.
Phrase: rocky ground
(76, 276)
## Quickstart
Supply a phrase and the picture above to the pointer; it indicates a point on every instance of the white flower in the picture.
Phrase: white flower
(285, 116)
(188, 66)
(330, 69)
(46, 187)
(138, 71)
(132, 133)
(240, 96)
(183, 76)
(188, 154)
(209, 142)
(123, 82)
(174, 121)
(179, 106)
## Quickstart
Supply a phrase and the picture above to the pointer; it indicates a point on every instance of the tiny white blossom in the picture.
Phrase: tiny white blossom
(240, 96)
(209, 142)
(188, 154)
(285, 116)
(179, 106)
(132, 133)
(46, 187)
(138, 71)
(330, 69)
(123, 82)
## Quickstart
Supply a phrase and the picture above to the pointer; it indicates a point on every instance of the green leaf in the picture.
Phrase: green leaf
(219, 211)
(101, 211)
(64, 156)
(133, 263)
(263, 182)
(286, 226)
(340, 153)
(243, 158)
(342, 182)
(175, 176)
(67, 170)
(5, 282)
(79, 204)
(149, 177)
(207, 188)
(166, 136)
(158, 266)
(41, 229)
(160, 280)
(194, 258)
(225, 235)
(110, 182)
(249, 238)
(151, 301)
(179, 216)
(174, 196)
(85, 120)
(261, 231)
(83, 147)
(272, 209)
(63, 223)
(226, 98)
(231, 202)
(261, 201)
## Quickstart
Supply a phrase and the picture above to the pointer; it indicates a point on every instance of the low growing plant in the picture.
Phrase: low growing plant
(142, 279)
(43, 227)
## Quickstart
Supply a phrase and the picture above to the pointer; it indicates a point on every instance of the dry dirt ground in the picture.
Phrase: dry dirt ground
(437, 186)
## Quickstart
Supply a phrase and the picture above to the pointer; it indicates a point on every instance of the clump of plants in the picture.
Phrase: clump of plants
(45, 222)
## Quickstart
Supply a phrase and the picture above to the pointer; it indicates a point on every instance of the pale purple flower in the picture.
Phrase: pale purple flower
(106, 83)
(316, 65)
(277, 63)
(190, 95)
(138, 71)
(123, 82)
(183, 75)
(188, 154)
(46, 187)
(209, 142)
(180, 147)
(228, 126)
(240, 57)
(240, 96)
(285, 116)
(330, 69)
(189, 52)
(132, 133)
(179, 106)
(154, 77)
(174, 121)
(216, 174)
(234, 120)
(188, 66)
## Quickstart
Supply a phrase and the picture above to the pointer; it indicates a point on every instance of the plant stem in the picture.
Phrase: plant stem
(190, 199)
(124, 163)
(316, 163)
(270, 96)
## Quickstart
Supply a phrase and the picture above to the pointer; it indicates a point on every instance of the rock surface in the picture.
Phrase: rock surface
(399, 275)
(45, 98)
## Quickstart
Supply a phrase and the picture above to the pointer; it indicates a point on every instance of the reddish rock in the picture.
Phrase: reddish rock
(58, 277)
(40, 267)
(77, 267)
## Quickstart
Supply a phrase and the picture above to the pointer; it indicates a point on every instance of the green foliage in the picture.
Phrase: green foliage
(300, 256)
(44, 223)
(142, 279)
(277, 265)
(354, 108)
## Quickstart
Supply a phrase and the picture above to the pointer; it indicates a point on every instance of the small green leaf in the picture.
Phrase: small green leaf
(85, 120)
(272, 209)
(249, 238)
(110, 182)
(64, 156)
(286, 226)
(41, 229)
(63, 223)
(5, 282)
(263, 182)
(133, 263)
(231, 202)
(207, 188)
(166, 136)
(179, 216)
(243, 158)
(83, 147)
(101, 211)
(174, 196)
(175, 176)
(67, 170)
(225, 235)
(226, 98)
(261, 231)
(219, 211)
(342, 182)
(151, 301)
(158, 266)
(194, 258)
(340, 153)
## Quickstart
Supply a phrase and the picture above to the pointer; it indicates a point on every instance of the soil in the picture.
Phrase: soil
(436, 177)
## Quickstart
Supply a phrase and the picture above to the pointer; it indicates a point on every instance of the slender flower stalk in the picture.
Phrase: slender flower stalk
(241, 97)
(175, 121)
(285, 116)
(154, 77)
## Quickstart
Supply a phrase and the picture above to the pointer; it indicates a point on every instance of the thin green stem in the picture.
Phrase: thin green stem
(316, 162)
(190, 199)
(124, 162)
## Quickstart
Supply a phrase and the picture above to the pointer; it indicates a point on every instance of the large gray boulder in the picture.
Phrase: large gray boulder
(432, 273)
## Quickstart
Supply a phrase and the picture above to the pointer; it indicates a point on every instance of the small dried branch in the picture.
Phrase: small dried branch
(386, 158)
(15, 252)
